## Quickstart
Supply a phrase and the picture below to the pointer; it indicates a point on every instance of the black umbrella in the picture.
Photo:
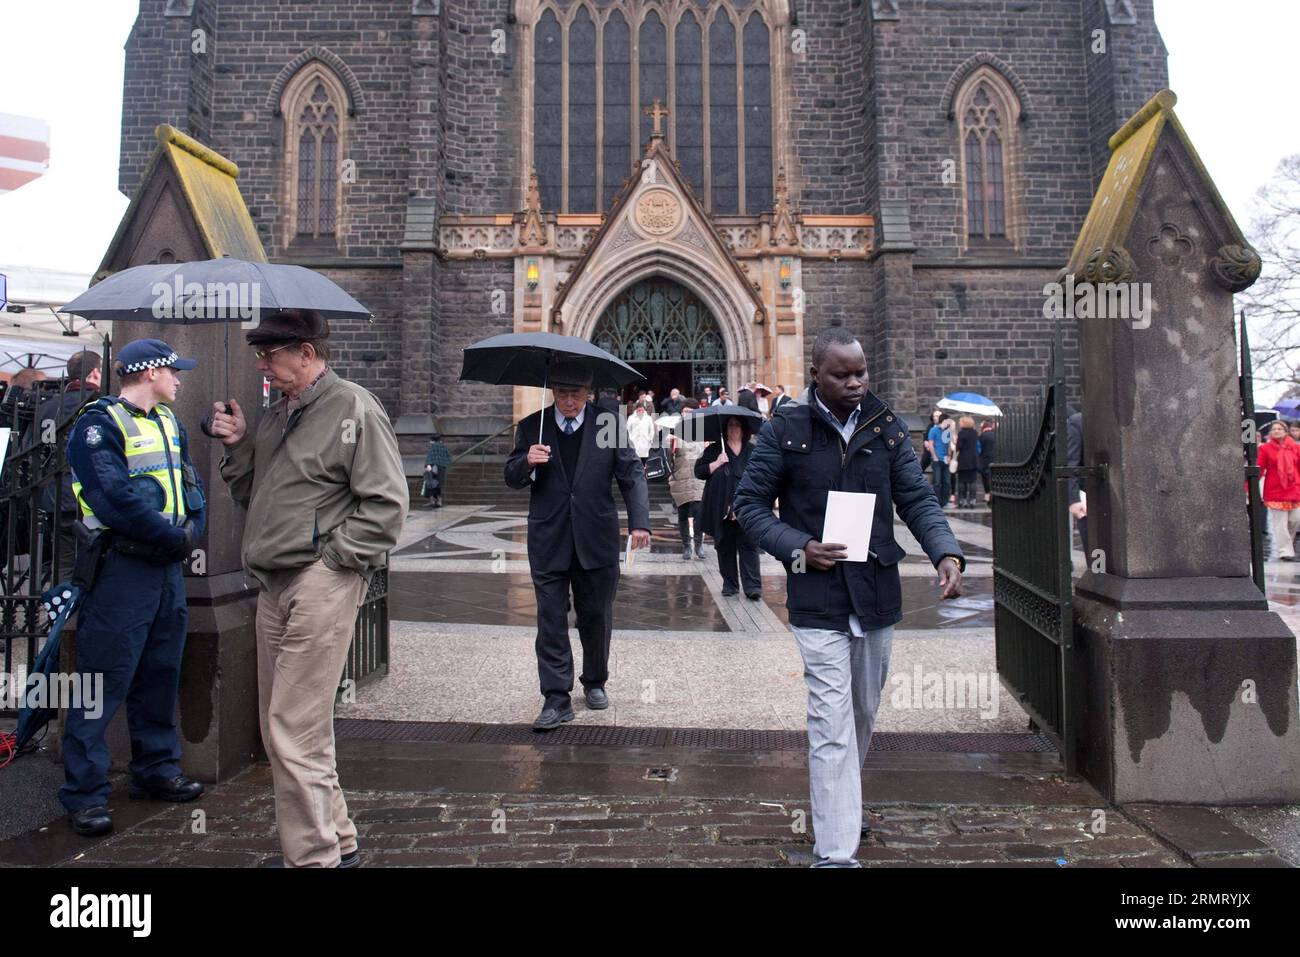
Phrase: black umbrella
(706, 425)
(213, 290)
(526, 358)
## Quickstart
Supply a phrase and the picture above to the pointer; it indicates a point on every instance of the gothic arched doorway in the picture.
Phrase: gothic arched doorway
(665, 332)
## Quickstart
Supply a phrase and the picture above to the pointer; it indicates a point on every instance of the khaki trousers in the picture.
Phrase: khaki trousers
(304, 628)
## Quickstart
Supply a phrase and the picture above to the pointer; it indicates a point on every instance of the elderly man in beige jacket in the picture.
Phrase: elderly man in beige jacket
(326, 495)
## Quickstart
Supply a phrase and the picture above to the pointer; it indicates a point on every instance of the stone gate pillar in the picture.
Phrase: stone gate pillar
(1188, 680)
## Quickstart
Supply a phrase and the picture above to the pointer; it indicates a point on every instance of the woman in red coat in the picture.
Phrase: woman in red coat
(1279, 464)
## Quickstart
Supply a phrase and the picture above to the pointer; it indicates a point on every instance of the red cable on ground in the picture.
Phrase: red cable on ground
(8, 747)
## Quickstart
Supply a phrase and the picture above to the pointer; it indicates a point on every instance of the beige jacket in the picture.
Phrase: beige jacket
(333, 488)
(683, 485)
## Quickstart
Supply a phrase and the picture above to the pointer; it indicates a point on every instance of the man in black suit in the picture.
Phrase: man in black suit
(573, 533)
(780, 400)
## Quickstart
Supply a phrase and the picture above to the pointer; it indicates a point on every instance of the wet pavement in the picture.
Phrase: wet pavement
(461, 804)
(441, 769)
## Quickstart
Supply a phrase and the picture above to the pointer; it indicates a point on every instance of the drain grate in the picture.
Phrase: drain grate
(721, 739)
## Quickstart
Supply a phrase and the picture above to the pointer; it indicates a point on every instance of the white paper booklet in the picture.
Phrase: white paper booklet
(848, 522)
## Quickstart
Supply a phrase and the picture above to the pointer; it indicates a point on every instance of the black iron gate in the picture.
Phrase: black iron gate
(1033, 614)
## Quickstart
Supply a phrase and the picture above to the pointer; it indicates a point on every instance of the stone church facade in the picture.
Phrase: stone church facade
(699, 186)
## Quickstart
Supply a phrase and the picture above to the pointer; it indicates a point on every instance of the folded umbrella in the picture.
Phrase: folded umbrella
(38, 709)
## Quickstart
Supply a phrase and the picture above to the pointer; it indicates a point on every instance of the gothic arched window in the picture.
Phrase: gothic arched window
(594, 68)
(988, 113)
(314, 106)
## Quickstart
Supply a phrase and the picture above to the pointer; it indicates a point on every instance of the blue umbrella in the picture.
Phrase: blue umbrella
(1288, 408)
(60, 602)
(971, 403)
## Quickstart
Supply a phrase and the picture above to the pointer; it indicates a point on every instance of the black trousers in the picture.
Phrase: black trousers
(684, 514)
(733, 540)
(594, 590)
(966, 485)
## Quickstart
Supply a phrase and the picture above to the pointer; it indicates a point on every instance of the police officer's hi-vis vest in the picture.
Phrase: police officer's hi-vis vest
(153, 461)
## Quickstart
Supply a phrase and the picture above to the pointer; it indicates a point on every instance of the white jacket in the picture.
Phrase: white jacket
(641, 432)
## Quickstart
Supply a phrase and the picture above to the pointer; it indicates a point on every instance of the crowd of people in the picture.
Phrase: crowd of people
(957, 454)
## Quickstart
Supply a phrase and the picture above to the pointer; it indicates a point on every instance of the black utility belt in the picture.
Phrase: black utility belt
(146, 551)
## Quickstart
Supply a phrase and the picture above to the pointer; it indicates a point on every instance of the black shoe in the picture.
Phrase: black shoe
(686, 553)
(91, 821)
(552, 717)
(597, 700)
(351, 859)
(179, 789)
(753, 595)
(866, 829)
(729, 590)
(699, 550)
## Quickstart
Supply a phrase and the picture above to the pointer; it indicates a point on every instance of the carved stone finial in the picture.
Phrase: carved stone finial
(1235, 267)
(784, 232)
(1108, 265)
(534, 230)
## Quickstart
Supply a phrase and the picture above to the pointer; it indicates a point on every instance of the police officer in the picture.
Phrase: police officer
(137, 487)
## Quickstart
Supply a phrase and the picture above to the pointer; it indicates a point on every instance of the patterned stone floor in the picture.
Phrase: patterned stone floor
(682, 655)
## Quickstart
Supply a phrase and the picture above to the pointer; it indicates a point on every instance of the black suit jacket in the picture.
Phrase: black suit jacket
(570, 515)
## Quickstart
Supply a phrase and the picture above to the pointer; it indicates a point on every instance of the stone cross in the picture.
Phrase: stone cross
(656, 112)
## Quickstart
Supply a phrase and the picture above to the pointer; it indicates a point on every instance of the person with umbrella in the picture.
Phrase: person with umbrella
(135, 483)
(322, 479)
(573, 533)
(721, 466)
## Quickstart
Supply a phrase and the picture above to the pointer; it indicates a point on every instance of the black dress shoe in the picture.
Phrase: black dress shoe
(686, 553)
(597, 700)
(179, 789)
(352, 859)
(729, 590)
(753, 595)
(699, 550)
(552, 717)
(91, 821)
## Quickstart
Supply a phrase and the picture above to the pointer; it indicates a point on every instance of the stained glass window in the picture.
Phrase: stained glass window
(723, 155)
(315, 204)
(618, 105)
(985, 127)
(701, 90)
(582, 113)
(548, 110)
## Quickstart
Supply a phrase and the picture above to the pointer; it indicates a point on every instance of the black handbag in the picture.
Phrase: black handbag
(658, 464)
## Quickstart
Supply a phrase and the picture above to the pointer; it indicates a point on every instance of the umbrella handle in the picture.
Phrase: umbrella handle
(541, 419)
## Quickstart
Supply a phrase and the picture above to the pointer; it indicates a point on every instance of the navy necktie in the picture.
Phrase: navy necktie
(568, 426)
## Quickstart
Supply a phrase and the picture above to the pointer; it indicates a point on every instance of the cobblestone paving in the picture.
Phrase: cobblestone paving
(414, 829)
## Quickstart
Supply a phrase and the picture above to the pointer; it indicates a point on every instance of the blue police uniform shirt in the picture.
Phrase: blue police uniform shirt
(97, 455)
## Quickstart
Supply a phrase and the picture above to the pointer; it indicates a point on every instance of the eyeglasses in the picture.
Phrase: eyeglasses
(265, 353)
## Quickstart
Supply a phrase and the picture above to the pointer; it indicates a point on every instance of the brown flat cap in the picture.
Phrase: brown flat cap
(288, 325)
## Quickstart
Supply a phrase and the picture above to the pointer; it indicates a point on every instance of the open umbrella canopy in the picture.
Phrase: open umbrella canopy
(525, 358)
(1288, 408)
(705, 425)
(213, 290)
(971, 403)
